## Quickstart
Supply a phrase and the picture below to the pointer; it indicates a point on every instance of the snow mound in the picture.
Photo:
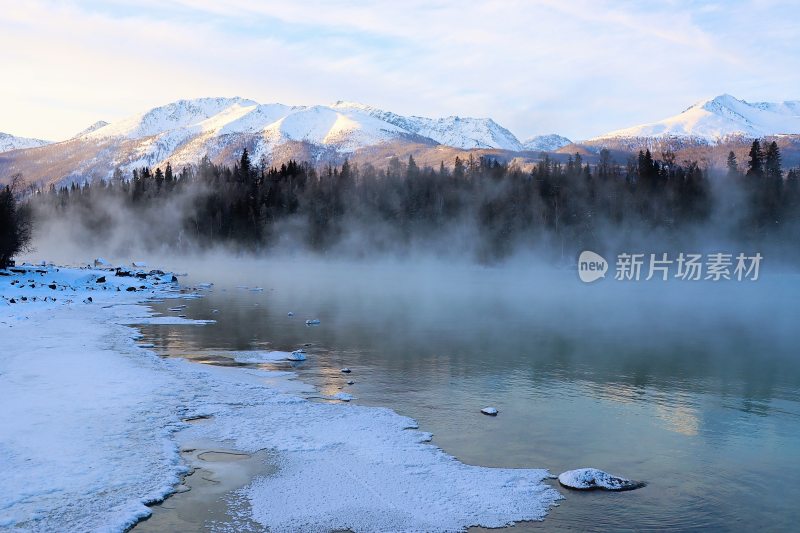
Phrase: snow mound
(591, 478)
(342, 396)
(491, 411)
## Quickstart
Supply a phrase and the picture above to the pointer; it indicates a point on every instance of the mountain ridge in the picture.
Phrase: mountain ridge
(715, 119)
(10, 142)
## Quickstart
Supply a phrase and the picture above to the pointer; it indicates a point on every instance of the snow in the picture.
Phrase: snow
(92, 425)
(491, 411)
(592, 478)
(83, 446)
(716, 118)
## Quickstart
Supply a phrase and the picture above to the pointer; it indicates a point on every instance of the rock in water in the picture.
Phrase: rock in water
(297, 355)
(346, 370)
(491, 411)
(312, 322)
(592, 478)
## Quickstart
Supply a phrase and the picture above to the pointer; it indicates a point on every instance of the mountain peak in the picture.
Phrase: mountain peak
(94, 127)
(722, 116)
(545, 143)
(10, 142)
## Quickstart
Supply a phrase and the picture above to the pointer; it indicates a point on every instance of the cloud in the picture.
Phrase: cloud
(578, 68)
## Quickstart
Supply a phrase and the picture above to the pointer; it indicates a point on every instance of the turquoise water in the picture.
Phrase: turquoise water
(693, 387)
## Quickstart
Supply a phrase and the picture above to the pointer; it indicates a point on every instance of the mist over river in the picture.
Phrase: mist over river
(693, 387)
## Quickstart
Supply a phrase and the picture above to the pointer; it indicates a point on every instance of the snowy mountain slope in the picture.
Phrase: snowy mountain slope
(12, 142)
(343, 125)
(465, 133)
(546, 143)
(723, 116)
(96, 126)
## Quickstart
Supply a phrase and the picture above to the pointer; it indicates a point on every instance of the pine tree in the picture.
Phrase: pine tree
(15, 228)
(458, 168)
(772, 163)
(412, 171)
(733, 165)
(245, 167)
(755, 167)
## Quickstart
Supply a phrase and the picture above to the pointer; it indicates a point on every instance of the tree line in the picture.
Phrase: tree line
(482, 206)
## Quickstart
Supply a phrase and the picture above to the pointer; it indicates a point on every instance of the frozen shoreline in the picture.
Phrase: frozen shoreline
(94, 426)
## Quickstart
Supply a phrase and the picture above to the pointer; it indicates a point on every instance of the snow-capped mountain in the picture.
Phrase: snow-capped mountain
(96, 126)
(720, 117)
(342, 126)
(464, 133)
(184, 131)
(545, 143)
(12, 142)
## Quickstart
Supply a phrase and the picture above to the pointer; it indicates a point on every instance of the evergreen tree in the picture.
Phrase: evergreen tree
(245, 167)
(772, 162)
(755, 167)
(458, 168)
(733, 165)
(14, 224)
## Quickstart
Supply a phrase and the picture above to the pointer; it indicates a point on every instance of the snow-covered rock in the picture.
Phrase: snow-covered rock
(274, 356)
(312, 322)
(720, 117)
(491, 411)
(592, 478)
(297, 355)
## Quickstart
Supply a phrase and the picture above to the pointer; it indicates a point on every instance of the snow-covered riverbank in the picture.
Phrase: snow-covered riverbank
(92, 427)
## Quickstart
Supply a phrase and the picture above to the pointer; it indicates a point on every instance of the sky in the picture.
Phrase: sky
(578, 68)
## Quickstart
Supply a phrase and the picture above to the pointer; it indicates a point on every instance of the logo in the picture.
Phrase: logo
(591, 266)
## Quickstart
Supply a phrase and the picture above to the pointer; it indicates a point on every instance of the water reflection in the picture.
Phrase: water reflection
(694, 388)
